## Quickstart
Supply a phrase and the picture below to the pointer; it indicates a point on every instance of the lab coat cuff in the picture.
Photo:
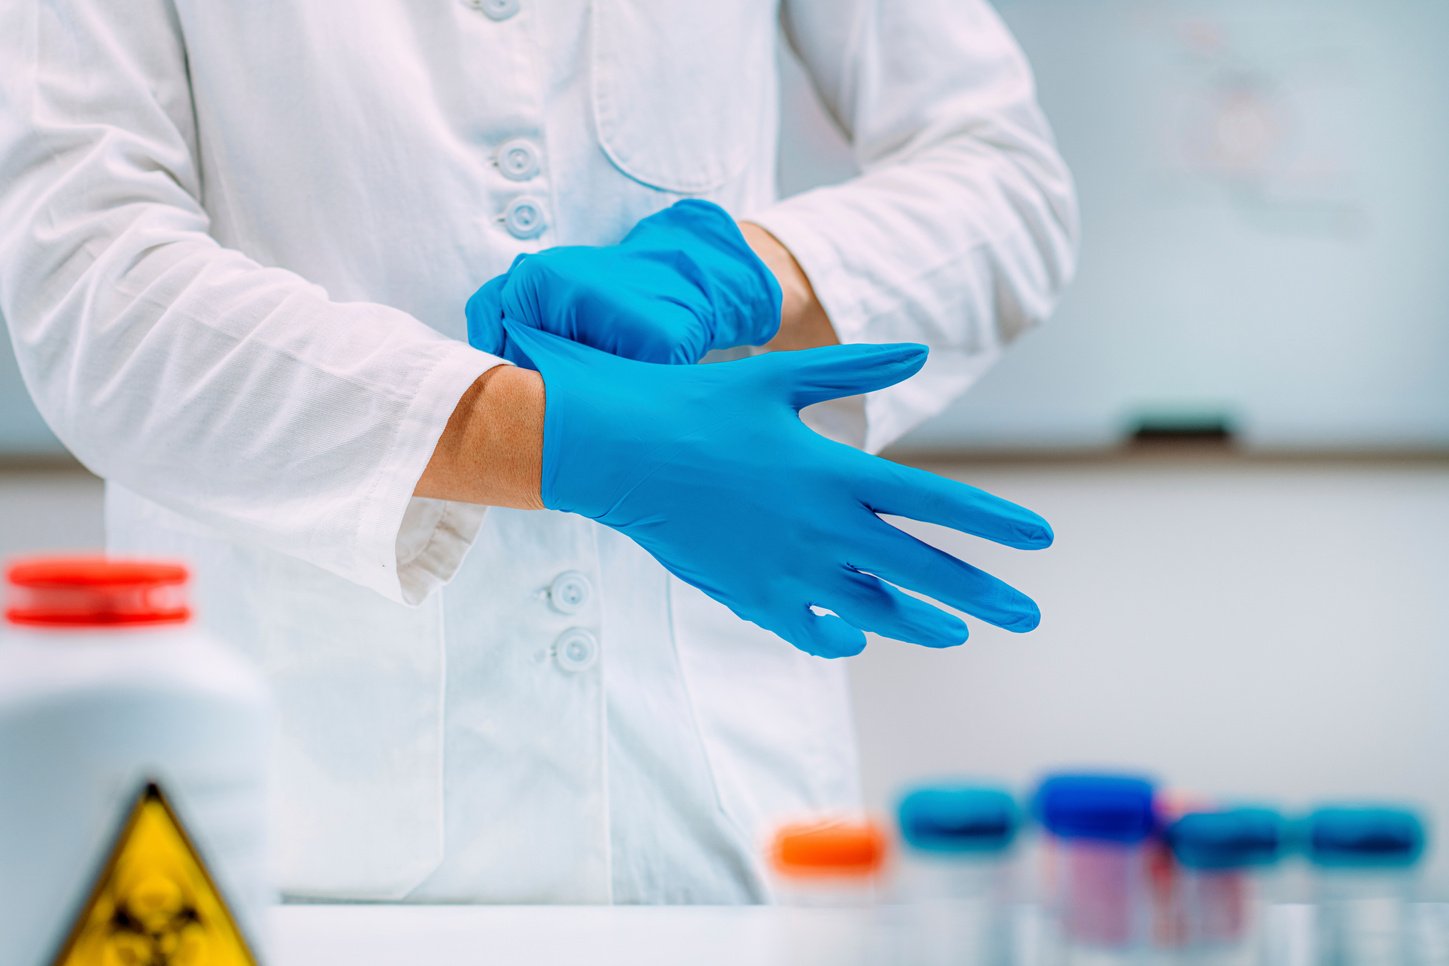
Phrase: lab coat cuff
(416, 544)
(800, 225)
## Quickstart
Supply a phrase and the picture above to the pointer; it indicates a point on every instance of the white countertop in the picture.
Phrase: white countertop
(387, 935)
(377, 935)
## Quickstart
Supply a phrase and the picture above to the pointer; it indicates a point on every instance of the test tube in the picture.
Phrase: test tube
(957, 888)
(1163, 872)
(1364, 863)
(1097, 827)
(1225, 857)
(828, 872)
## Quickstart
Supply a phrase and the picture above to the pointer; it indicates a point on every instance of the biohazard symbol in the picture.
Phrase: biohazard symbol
(154, 904)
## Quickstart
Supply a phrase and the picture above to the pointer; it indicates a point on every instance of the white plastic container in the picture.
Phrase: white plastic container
(829, 873)
(957, 884)
(1097, 829)
(1365, 870)
(1226, 861)
(106, 685)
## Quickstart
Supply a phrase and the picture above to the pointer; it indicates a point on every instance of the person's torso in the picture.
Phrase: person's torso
(405, 152)
(564, 722)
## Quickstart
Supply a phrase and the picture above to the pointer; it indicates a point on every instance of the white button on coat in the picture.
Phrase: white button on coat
(496, 9)
(237, 240)
(518, 160)
(523, 218)
(569, 592)
(576, 650)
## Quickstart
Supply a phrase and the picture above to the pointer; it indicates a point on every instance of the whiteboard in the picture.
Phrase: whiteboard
(1265, 224)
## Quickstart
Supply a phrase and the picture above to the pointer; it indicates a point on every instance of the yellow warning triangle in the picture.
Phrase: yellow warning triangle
(154, 903)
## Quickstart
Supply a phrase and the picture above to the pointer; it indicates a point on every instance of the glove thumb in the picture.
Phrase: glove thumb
(832, 372)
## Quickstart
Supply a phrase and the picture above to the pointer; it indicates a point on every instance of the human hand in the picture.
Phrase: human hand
(710, 469)
(682, 282)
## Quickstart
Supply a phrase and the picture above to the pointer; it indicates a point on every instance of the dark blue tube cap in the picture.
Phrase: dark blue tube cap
(958, 819)
(1104, 808)
(1364, 837)
(1230, 838)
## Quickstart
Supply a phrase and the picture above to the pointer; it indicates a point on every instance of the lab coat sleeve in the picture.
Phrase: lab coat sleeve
(235, 394)
(961, 230)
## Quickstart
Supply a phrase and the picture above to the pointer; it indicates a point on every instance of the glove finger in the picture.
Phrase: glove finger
(810, 376)
(485, 316)
(825, 635)
(874, 605)
(905, 491)
(903, 560)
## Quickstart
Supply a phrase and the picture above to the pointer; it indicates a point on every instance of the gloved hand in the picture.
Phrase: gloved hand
(710, 469)
(682, 282)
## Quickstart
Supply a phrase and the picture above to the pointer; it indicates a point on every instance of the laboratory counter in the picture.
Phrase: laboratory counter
(383, 935)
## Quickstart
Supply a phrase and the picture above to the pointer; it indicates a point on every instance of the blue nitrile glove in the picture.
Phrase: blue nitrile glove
(682, 282)
(710, 469)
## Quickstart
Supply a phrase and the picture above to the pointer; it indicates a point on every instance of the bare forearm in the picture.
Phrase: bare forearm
(803, 322)
(491, 451)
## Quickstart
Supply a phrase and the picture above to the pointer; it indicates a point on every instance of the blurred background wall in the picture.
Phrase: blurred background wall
(1238, 421)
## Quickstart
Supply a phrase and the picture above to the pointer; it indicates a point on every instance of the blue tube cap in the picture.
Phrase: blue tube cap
(1364, 837)
(958, 819)
(1104, 808)
(1230, 838)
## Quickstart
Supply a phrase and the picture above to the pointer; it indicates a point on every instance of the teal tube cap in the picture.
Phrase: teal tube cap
(1365, 837)
(1228, 838)
(958, 819)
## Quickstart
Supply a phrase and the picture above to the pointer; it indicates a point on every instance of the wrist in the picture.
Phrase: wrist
(491, 451)
(803, 321)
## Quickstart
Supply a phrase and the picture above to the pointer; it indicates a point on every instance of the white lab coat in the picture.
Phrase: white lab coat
(235, 243)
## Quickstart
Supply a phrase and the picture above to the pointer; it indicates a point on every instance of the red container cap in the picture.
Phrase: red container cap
(830, 848)
(94, 591)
